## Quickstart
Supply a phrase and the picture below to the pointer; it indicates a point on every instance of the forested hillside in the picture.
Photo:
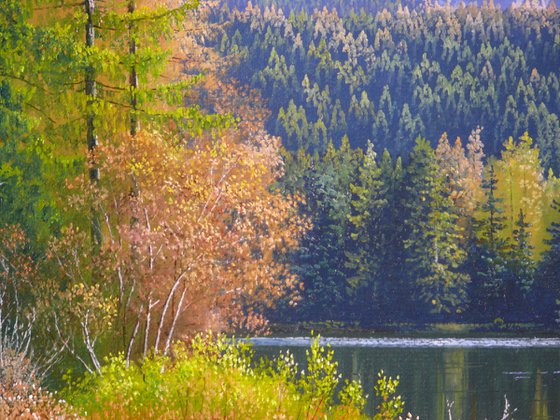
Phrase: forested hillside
(426, 140)
(393, 76)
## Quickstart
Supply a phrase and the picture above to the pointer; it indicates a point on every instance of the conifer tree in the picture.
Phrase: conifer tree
(365, 257)
(551, 261)
(24, 196)
(392, 230)
(549, 282)
(523, 266)
(320, 260)
(491, 249)
(434, 251)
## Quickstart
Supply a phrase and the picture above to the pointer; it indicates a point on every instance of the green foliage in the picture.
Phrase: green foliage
(521, 259)
(390, 406)
(365, 255)
(435, 254)
(319, 383)
(216, 376)
(321, 261)
(352, 395)
(491, 272)
(25, 194)
(548, 278)
(427, 239)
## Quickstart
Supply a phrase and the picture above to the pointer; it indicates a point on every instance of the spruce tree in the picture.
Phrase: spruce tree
(491, 249)
(551, 261)
(365, 257)
(321, 261)
(549, 280)
(523, 266)
(434, 252)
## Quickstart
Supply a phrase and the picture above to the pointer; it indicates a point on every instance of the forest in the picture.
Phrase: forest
(169, 169)
(425, 142)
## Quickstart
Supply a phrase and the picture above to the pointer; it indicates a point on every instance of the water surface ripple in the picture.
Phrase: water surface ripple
(389, 342)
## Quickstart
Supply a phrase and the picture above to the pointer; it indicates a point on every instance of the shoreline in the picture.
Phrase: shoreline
(431, 330)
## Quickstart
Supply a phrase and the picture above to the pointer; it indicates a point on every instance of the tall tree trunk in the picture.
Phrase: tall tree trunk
(91, 94)
(133, 76)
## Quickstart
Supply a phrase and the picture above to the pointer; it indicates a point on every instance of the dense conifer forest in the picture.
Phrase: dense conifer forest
(426, 141)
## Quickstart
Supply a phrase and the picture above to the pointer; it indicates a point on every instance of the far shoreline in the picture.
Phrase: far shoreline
(426, 330)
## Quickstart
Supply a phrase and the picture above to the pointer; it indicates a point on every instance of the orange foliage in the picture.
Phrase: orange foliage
(193, 231)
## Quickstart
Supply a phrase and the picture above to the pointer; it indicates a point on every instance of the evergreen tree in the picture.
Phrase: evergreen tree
(522, 253)
(522, 268)
(392, 231)
(434, 251)
(26, 169)
(549, 281)
(320, 261)
(365, 257)
(551, 260)
(489, 281)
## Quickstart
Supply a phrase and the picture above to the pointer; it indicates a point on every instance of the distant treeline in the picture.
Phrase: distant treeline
(444, 235)
(345, 7)
(406, 228)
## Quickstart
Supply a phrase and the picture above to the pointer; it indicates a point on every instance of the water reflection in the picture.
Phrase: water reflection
(473, 380)
(540, 406)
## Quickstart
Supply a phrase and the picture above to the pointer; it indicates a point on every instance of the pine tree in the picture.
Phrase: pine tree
(491, 270)
(522, 264)
(392, 230)
(549, 280)
(365, 257)
(26, 197)
(551, 260)
(434, 251)
(320, 260)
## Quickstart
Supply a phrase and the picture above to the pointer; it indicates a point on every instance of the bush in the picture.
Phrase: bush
(218, 378)
(20, 393)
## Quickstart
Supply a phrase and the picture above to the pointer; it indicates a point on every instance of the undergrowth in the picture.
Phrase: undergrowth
(216, 377)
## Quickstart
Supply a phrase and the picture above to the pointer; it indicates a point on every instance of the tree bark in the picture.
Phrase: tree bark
(91, 94)
(133, 76)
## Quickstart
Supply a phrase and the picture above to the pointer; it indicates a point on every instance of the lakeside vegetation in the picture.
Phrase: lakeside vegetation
(214, 377)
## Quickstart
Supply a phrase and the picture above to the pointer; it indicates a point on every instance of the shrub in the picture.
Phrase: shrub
(216, 377)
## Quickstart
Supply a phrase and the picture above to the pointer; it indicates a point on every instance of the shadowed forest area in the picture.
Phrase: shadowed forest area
(425, 140)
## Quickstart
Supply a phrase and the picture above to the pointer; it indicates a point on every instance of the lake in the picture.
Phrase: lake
(472, 374)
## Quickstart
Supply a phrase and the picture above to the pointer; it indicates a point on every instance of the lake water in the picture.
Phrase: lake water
(472, 374)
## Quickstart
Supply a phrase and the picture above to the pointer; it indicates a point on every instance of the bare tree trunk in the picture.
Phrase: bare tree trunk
(149, 308)
(133, 338)
(170, 296)
(91, 94)
(133, 76)
(174, 323)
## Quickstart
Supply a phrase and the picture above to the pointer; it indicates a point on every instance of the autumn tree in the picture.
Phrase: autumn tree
(202, 253)
(521, 187)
